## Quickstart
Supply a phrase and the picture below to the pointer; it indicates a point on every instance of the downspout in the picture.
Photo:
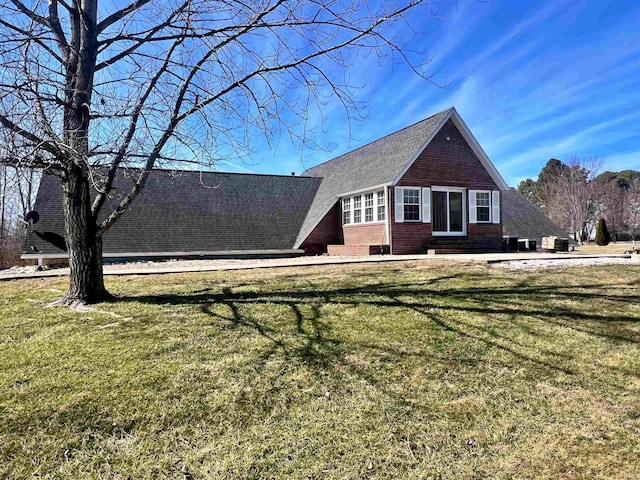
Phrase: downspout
(388, 218)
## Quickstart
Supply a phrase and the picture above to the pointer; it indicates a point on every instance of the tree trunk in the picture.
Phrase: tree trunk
(3, 198)
(83, 245)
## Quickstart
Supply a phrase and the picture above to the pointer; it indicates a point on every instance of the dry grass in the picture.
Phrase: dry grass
(593, 248)
(433, 370)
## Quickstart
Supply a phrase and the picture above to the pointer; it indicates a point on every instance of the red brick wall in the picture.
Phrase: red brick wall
(448, 163)
(328, 231)
(445, 163)
(365, 234)
(352, 250)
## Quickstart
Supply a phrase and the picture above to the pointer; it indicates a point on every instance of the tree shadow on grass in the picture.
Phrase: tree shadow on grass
(313, 343)
(306, 335)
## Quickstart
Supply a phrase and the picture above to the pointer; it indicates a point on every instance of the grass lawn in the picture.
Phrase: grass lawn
(594, 248)
(400, 370)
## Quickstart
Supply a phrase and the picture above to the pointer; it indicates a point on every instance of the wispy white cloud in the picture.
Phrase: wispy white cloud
(506, 40)
(529, 87)
(589, 141)
(232, 167)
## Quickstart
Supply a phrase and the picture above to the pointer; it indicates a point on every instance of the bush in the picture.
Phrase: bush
(10, 250)
(602, 232)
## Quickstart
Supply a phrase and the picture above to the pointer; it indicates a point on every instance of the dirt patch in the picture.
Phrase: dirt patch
(550, 264)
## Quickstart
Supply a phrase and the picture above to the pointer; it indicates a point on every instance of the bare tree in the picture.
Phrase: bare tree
(613, 207)
(17, 188)
(87, 89)
(631, 210)
(572, 196)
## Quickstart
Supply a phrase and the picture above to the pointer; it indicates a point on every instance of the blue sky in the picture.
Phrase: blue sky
(532, 80)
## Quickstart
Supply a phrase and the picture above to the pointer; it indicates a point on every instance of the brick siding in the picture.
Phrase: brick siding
(357, 250)
(365, 234)
(447, 163)
(328, 231)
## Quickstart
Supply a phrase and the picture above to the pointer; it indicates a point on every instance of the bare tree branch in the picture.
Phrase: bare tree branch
(120, 14)
(32, 15)
(174, 82)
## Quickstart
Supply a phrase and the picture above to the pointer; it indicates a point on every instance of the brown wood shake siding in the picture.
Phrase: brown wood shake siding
(447, 161)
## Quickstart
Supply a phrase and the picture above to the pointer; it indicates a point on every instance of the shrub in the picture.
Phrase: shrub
(602, 232)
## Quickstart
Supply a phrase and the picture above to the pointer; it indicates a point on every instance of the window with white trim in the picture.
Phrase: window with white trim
(483, 206)
(357, 209)
(346, 210)
(411, 204)
(368, 207)
(382, 207)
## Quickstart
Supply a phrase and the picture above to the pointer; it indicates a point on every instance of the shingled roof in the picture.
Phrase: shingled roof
(374, 164)
(523, 219)
(191, 212)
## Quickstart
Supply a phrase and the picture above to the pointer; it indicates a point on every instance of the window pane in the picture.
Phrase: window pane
(368, 214)
(368, 200)
(357, 202)
(380, 195)
(411, 196)
(483, 214)
(483, 199)
(346, 210)
(357, 216)
(412, 212)
(439, 211)
(382, 214)
(455, 211)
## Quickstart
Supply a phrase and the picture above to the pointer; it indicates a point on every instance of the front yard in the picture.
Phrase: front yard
(399, 370)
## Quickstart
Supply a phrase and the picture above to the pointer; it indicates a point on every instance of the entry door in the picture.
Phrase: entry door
(448, 212)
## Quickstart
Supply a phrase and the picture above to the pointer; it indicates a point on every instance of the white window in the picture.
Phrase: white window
(368, 207)
(357, 209)
(382, 207)
(448, 212)
(346, 210)
(483, 207)
(411, 204)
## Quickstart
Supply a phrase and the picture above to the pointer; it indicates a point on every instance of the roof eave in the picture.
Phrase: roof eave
(478, 150)
(62, 255)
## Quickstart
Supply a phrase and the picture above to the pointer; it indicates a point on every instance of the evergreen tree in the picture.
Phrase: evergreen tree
(602, 232)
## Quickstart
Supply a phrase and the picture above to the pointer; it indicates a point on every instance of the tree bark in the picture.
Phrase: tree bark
(84, 246)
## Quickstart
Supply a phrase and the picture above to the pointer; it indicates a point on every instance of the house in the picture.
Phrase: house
(427, 187)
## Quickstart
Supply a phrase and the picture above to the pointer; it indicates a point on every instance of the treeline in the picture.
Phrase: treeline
(575, 195)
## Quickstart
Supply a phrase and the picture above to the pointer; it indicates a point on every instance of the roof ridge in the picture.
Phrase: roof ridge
(379, 139)
(217, 172)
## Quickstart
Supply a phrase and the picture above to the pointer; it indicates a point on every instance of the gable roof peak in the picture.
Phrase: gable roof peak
(442, 116)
